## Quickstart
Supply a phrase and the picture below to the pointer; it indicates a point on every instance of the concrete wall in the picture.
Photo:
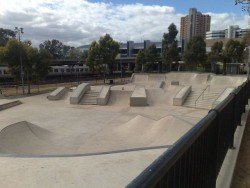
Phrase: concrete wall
(78, 93)
(103, 98)
(138, 97)
(57, 94)
(181, 96)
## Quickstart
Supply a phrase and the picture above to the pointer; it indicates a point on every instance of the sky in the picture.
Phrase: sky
(79, 22)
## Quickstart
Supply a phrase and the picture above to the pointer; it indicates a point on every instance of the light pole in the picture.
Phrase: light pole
(19, 31)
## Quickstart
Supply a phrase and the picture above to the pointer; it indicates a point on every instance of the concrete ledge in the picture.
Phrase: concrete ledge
(57, 94)
(174, 82)
(9, 104)
(159, 84)
(138, 97)
(79, 92)
(180, 98)
(223, 96)
(103, 98)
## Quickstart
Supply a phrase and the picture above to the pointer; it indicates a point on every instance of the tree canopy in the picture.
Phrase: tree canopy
(195, 52)
(5, 35)
(169, 46)
(35, 62)
(216, 53)
(233, 52)
(140, 61)
(102, 54)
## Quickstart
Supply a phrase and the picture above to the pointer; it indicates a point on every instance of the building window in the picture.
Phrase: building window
(55, 70)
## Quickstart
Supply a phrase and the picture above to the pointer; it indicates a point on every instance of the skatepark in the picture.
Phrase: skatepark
(72, 136)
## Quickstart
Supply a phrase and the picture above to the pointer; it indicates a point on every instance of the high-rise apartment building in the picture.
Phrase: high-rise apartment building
(194, 24)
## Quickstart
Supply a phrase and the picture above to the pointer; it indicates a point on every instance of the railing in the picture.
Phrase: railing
(202, 94)
(196, 158)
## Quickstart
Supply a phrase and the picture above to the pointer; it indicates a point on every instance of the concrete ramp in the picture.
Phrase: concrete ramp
(119, 98)
(201, 79)
(227, 81)
(182, 77)
(58, 93)
(139, 78)
(24, 138)
(156, 77)
(152, 132)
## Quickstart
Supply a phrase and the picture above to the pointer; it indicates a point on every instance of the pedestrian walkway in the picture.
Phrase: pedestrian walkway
(241, 177)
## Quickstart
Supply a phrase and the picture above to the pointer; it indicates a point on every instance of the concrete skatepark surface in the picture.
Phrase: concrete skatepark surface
(55, 144)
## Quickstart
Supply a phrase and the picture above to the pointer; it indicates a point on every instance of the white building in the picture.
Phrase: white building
(232, 32)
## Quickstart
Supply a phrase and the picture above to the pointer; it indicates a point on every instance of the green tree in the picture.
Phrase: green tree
(216, 52)
(140, 61)
(41, 66)
(151, 56)
(195, 52)
(233, 53)
(109, 49)
(102, 54)
(35, 63)
(169, 46)
(55, 48)
(5, 35)
(94, 59)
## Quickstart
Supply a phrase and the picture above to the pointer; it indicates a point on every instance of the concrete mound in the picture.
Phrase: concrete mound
(24, 138)
(152, 132)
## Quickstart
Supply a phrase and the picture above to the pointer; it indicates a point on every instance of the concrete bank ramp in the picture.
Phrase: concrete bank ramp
(25, 138)
(156, 77)
(139, 78)
(161, 97)
(119, 98)
(58, 93)
(188, 77)
(227, 80)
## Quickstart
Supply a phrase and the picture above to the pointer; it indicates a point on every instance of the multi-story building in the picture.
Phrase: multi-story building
(194, 24)
(232, 32)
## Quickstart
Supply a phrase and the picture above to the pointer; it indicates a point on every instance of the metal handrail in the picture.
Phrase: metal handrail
(202, 93)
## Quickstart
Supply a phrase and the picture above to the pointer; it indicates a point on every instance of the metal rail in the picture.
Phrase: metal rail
(202, 94)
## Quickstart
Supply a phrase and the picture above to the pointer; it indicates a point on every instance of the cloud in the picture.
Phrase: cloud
(79, 22)
(223, 20)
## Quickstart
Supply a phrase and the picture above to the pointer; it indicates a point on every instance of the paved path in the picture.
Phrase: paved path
(242, 171)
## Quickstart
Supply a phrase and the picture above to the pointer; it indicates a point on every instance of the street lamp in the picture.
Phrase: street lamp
(19, 31)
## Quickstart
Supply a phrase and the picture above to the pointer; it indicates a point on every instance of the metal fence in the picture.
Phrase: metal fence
(196, 158)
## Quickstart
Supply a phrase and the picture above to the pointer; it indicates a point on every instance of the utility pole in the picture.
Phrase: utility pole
(19, 31)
